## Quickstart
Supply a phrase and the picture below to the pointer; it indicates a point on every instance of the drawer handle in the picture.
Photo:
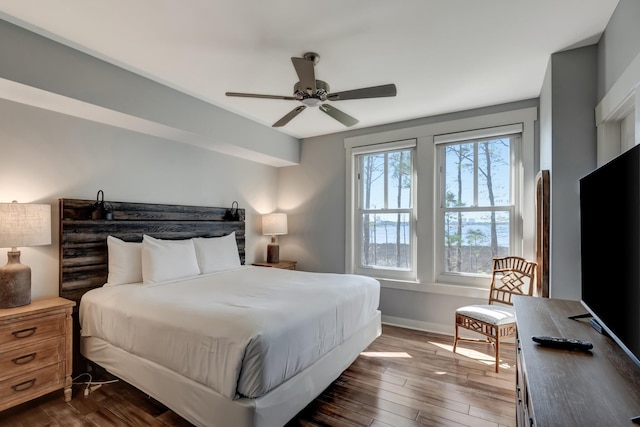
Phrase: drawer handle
(24, 333)
(24, 386)
(23, 360)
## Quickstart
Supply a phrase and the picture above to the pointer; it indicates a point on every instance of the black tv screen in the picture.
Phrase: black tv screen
(610, 248)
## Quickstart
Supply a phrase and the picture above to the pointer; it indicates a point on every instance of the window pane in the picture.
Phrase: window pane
(471, 239)
(386, 240)
(459, 171)
(399, 179)
(494, 166)
(391, 171)
(372, 181)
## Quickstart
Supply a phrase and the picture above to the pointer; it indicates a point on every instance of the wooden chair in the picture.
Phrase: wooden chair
(510, 276)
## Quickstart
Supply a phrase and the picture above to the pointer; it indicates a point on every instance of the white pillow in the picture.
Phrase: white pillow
(125, 262)
(217, 253)
(167, 259)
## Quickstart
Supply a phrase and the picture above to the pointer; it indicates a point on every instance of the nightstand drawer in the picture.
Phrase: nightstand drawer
(32, 329)
(31, 357)
(31, 384)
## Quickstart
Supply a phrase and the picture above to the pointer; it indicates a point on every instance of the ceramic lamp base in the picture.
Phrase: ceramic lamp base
(15, 282)
(273, 253)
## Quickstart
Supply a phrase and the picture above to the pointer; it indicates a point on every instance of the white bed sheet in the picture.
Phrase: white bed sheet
(240, 332)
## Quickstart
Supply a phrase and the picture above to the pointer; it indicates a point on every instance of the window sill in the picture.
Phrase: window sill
(435, 288)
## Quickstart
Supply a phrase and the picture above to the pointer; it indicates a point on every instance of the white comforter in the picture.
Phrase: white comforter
(241, 332)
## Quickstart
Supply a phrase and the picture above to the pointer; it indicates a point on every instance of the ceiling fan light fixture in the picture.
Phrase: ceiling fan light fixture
(311, 102)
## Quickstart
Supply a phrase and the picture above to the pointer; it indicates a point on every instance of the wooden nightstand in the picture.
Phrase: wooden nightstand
(285, 265)
(35, 350)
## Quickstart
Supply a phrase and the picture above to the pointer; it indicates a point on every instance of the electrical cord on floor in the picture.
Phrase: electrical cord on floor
(91, 385)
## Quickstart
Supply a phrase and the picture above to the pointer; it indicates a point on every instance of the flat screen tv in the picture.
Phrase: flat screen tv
(610, 248)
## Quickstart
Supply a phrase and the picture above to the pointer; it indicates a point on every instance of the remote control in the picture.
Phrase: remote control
(566, 343)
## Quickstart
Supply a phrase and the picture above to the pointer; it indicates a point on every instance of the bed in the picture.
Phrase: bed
(219, 342)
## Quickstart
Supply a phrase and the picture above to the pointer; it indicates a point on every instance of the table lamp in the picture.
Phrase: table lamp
(21, 224)
(274, 224)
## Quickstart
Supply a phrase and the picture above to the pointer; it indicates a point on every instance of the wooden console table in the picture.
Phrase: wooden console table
(570, 388)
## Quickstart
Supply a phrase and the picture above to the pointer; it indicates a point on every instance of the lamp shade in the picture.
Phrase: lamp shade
(274, 224)
(24, 224)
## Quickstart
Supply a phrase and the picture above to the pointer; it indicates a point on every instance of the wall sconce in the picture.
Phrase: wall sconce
(274, 224)
(101, 209)
(232, 214)
(21, 224)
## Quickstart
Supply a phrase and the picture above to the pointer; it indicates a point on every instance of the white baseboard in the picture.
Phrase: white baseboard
(437, 328)
(418, 325)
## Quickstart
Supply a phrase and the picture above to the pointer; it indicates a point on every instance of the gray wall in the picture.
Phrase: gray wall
(619, 44)
(313, 194)
(47, 74)
(46, 156)
(575, 82)
(568, 150)
(71, 125)
(545, 121)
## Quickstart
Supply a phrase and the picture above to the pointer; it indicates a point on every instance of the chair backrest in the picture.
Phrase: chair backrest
(511, 276)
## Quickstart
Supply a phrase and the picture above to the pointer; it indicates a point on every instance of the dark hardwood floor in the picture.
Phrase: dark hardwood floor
(404, 378)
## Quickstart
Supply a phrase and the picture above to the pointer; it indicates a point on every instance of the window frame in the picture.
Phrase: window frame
(358, 211)
(425, 168)
(514, 208)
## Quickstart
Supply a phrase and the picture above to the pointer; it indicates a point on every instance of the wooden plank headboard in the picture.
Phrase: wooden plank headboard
(83, 241)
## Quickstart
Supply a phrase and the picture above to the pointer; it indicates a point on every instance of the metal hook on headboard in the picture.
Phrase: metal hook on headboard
(101, 209)
(232, 214)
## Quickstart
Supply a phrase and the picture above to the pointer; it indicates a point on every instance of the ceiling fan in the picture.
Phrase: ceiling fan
(313, 93)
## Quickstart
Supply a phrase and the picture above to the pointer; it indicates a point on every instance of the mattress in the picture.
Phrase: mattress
(240, 332)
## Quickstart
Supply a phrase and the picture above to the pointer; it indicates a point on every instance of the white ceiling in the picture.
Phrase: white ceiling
(443, 55)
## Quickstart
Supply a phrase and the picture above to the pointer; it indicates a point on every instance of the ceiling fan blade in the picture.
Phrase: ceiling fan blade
(340, 116)
(255, 95)
(306, 74)
(290, 115)
(367, 92)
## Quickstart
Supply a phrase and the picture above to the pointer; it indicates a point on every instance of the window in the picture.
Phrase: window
(477, 205)
(384, 213)
(428, 211)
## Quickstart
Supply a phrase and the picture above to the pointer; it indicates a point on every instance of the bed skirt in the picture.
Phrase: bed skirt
(206, 408)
